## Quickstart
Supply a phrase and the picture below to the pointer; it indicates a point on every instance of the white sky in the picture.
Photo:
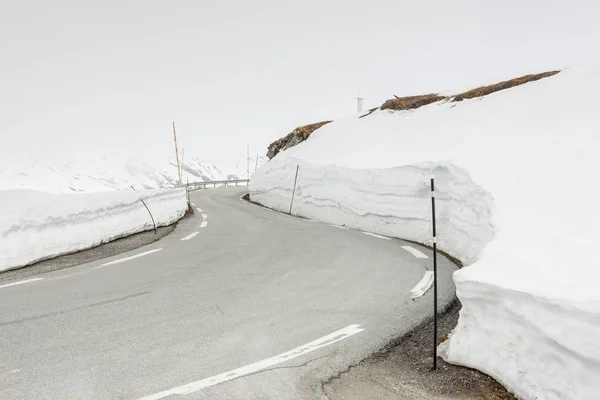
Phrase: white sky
(236, 73)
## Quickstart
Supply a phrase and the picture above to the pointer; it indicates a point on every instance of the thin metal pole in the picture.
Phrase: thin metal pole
(147, 209)
(256, 165)
(294, 191)
(435, 296)
(248, 163)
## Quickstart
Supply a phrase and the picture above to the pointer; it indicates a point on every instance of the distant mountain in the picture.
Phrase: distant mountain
(101, 172)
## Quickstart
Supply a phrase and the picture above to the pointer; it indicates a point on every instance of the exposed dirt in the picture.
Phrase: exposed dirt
(410, 102)
(298, 135)
(302, 133)
(403, 372)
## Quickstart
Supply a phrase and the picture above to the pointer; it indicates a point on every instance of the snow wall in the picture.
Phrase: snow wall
(35, 226)
(517, 197)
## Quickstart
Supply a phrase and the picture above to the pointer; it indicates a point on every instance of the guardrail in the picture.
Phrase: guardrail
(204, 185)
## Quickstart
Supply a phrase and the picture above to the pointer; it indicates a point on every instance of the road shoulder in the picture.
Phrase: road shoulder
(402, 371)
(112, 248)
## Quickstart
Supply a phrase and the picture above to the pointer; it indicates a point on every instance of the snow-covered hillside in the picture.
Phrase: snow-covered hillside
(87, 171)
(517, 204)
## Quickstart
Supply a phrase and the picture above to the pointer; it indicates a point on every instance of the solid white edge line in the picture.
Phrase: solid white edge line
(423, 286)
(377, 236)
(204, 216)
(415, 252)
(203, 224)
(188, 237)
(260, 365)
(22, 282)
(128, 258)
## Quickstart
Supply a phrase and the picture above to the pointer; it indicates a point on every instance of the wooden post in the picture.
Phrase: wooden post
(176, 153)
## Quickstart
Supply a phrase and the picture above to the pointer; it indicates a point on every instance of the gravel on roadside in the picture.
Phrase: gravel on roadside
(403, 371)
(105, 250)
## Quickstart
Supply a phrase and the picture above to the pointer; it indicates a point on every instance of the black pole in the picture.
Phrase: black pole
(147, 209)
(435, 296)
(294, 191)
(187, 191)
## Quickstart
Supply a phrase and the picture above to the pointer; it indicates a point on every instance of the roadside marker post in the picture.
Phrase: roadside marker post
(147, 209)
(435, 276)
(294, 190)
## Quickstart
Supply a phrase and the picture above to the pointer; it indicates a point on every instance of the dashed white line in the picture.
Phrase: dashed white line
(414, 252)
(423, 286)
(260, 365)
(203, 224)
(188, 237)
(22, 282)
(199, 209)
(377, 236)
(194, 204)
(128, 258)
(204, 216)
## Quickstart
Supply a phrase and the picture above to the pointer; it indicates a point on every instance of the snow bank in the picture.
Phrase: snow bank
(36, 225)
(517, 202)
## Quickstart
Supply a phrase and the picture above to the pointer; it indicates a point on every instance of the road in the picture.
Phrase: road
(255, 305)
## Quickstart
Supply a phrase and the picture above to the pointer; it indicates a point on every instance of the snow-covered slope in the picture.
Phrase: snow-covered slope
(88, 171)
(36, 225)
(517, 203)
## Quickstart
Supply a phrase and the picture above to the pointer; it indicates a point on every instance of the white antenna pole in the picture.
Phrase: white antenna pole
(256, 165)
(248, 164)
(359, 102)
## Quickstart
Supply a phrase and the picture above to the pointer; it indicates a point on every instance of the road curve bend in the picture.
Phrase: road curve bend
(239, 302)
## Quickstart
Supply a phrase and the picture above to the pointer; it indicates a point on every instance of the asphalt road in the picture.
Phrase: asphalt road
(212, 312)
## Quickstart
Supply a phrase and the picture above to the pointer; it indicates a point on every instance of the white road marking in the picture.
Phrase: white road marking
(67, 276)
(414, 252)
(339, 226)
(188, 237)
(22, 282)
(204, 216)
(128, 258)
(423, 286)
(377, 236)
(199, 209)
(260, 365)
(204, 223)
(194, 204)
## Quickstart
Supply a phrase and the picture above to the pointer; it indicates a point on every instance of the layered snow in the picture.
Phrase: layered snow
(517, 204)
(36, 225)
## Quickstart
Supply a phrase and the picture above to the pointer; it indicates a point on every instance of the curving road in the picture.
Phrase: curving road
(251, 304)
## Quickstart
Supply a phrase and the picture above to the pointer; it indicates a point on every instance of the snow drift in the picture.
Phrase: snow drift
(517, 203)
(36, 225)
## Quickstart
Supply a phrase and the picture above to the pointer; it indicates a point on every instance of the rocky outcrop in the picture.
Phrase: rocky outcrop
(293, 138)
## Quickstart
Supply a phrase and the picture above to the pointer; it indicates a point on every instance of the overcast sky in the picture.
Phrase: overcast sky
(234, 73)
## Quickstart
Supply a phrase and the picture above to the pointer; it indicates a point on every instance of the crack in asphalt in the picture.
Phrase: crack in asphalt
(53, 314)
